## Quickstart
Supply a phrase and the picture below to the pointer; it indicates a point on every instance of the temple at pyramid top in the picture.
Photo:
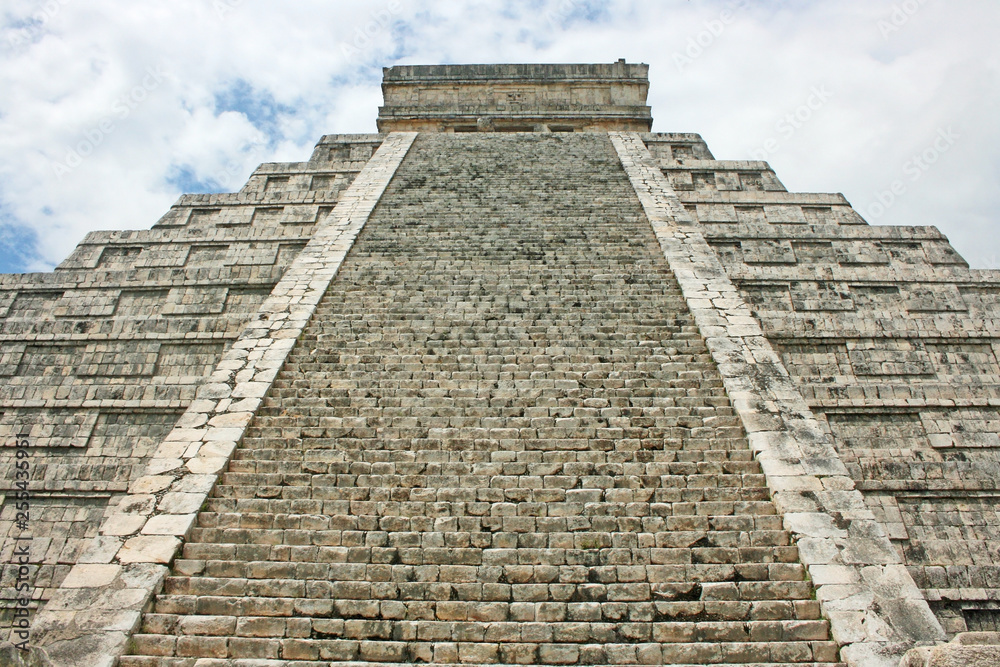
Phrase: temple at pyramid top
(515, 98)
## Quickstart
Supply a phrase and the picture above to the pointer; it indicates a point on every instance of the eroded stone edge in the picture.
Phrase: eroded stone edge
(968, 649)
(876, 611)
(89, 619)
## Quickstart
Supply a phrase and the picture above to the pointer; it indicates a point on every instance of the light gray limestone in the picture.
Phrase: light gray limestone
(971, 649)
(862, 362)
(246, 372)
(499, 438)
(875, 609)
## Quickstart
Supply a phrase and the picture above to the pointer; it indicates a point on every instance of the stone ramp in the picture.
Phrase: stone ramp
(500, 440)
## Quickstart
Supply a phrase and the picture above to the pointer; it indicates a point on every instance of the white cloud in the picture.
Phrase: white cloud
(317, 66)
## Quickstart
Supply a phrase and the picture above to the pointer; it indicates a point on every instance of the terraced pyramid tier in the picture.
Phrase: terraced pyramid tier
(500, 440)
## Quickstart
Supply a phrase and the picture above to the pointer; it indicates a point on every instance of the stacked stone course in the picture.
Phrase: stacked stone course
(100, 357)
(893, 341)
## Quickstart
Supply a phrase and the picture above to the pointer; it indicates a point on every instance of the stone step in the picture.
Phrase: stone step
(674, 504)
(157, 661)
(282, 553)
(583, 423)
(395, 535)
(420, 554)
(264, 592)
(340, 651)
(552, 627)
(393, 524)
(537, 632)
(346, 568)
(685, 608)
(562, 477)
(661, 577)
(321, 447)
(281, 444)
(294, 514)
(631, 360)
(329, 402)
(584, 535)
(467, 486)
(319, 451)
(567, 472)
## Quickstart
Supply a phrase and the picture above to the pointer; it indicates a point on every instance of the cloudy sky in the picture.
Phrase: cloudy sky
(109, 109)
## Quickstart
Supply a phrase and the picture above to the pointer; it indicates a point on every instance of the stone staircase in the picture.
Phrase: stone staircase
(501, 440)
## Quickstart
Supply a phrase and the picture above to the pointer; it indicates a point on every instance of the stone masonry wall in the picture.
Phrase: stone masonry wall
(100, 357)
(523, 97)
(893, 341)
(501, 439)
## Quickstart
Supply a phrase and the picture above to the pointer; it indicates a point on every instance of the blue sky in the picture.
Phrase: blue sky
(110, 110)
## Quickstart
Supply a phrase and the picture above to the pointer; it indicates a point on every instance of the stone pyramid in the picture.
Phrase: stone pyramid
(514, 381)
